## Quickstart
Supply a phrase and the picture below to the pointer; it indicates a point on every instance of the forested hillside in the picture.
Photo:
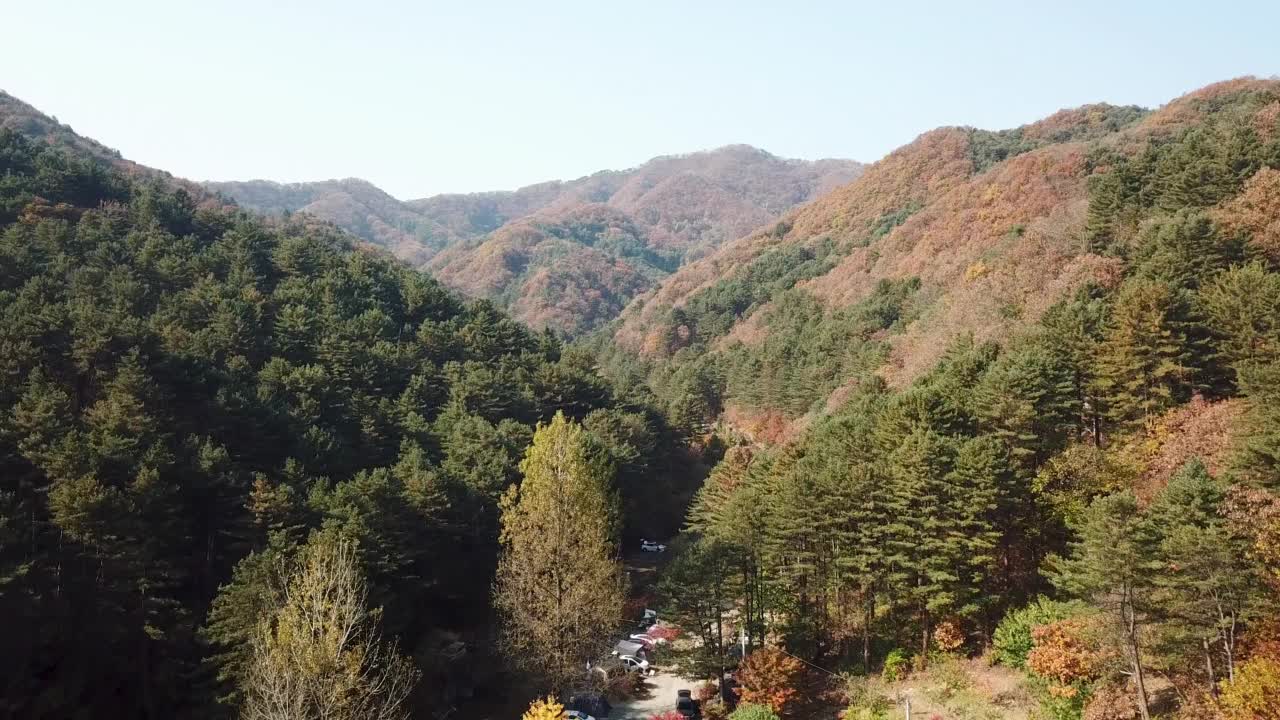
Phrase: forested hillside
(567, 255)
(1010, 393)
(207, 419)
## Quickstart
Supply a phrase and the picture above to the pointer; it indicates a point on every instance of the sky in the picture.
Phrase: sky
(423, 97)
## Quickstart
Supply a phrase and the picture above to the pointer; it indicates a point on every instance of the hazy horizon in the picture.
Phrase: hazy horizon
(428, 99)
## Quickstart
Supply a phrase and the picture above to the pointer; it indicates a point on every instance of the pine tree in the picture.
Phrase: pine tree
(1110, 567)
(924, 541)
(1207, 585)
(1144, 361)
(559, 586)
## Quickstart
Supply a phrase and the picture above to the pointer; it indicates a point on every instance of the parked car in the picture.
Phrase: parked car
(577, 715)
(590, 704)
(650, 546)
(636, 664)
(648, 640)
(629, 647)
(687, 706)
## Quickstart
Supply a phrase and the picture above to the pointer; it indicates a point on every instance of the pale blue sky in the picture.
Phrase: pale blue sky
(427, 97)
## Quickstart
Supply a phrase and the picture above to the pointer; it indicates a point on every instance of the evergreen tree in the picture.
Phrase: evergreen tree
(1110, 567)
(1206, 585)
(1144, 361)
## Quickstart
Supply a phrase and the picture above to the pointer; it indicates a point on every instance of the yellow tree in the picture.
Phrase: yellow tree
(545, 709)
(559, 586)
(319, 655)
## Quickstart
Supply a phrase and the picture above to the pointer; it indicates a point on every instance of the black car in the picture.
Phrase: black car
(591, 703)
(687, 706)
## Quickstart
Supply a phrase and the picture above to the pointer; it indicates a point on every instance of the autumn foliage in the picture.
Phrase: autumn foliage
(545, 709)
(1062, 656)
(771, 677)
(1255, 694)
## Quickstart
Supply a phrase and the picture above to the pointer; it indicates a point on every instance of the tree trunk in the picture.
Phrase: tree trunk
(1135, 655)
(1208, 662)
(868, 616)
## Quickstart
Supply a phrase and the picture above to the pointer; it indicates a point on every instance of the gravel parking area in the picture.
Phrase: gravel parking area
(661, 697)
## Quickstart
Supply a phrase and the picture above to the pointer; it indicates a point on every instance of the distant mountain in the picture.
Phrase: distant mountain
(611, 234)
(962, 233)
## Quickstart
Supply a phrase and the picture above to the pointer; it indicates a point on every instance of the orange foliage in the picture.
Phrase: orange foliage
(1062, 656)
(1111, 702)
(948, 636)
(1256, 212)
(993, 250)
(770, 677)
(1201, 429)
(1257, 513)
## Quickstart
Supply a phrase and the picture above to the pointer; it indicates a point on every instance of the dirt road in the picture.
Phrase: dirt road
(659, 698)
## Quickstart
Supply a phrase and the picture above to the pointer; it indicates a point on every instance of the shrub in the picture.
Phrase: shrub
(705, 692)
(1111, 702)
(861, 703)
(952, 676)
(770, 677)
(665, 632)
(1062, 656)
(1255, 695)
(864, 703)
(545, 709)
(1013, 639)
(897, 665)
(749, 711)
(948, 637)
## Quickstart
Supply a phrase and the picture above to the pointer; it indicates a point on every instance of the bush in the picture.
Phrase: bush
(950, 673)
(770, 677)
(1013, 639)
(545, 709)
(948, 637)
(1111, 702)
(749, 711)
(862, 703)
(1062, 655)
(897, 665)
(1255, 695)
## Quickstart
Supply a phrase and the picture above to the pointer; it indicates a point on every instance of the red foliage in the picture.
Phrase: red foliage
(665, 632)
(771, 677)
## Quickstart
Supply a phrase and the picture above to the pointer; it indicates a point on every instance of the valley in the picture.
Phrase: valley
(992, 422)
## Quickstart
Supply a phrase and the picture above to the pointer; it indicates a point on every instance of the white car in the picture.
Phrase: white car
(650, 546)
(648, 639)
(635, 664)
(576, 715)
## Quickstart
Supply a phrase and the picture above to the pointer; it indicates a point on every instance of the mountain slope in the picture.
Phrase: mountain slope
(190, 395)
(671, 208)
(991, 227)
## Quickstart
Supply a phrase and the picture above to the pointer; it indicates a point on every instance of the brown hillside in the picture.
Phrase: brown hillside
(992, 225)
(675, 207)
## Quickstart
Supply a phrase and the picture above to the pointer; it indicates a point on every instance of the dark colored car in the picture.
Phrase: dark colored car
(687, 706)
(591, 703)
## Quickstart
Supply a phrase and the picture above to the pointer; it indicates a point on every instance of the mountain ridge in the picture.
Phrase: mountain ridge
(992, 225)
(680, 206)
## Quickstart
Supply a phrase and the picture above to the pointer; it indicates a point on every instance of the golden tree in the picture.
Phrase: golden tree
(544, 709)
(559, 586)
(320, 656)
